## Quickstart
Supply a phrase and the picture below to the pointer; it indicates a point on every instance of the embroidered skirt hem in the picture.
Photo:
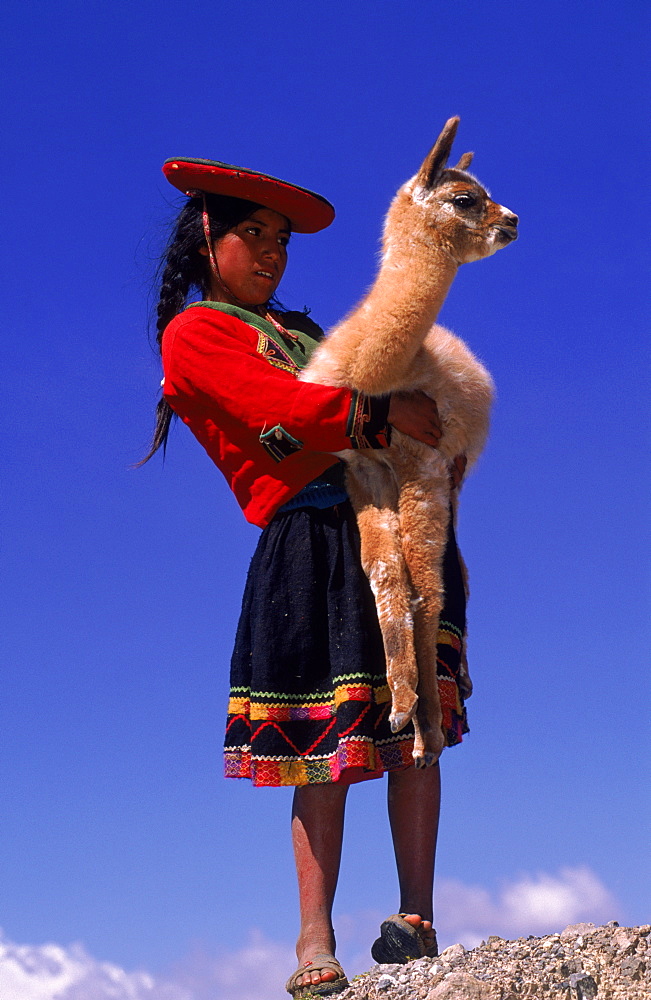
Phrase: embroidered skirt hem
(309, 699)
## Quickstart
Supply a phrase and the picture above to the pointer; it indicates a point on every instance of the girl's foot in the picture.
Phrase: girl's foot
(323, 974)
(316, 973)
(404, 937)
(307, 952)
(426, 931)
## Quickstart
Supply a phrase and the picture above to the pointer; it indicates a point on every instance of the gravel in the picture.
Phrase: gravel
(581, 963)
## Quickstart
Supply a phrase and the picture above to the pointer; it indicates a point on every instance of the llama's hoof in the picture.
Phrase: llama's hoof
(425, 759)
(399, 720)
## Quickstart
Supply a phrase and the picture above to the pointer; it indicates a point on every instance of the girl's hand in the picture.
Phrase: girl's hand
(458, 469)
(416, 414)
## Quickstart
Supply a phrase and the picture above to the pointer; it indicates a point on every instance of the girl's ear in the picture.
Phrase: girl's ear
(203, 251)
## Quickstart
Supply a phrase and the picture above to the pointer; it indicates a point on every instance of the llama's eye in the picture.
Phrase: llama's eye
(464, 201)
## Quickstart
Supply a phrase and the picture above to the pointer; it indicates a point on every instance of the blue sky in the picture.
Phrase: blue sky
(118, 830)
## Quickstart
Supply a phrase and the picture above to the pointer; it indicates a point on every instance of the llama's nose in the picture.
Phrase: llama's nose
(510, 219)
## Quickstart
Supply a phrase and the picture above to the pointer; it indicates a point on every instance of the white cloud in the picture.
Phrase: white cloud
(530, 904)
(51, 972)
(533, 904)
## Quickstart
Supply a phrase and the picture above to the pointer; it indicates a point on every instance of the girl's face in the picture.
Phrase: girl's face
(251, 259)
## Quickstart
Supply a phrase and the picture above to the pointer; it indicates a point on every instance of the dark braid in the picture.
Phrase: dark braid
(183, 271)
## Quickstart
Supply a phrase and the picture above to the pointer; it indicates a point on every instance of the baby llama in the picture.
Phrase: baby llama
(403, 495)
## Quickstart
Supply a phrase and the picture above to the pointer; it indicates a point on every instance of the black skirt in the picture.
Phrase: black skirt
(309, 700)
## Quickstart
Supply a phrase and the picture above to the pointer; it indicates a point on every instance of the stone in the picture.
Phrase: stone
(625, 942)
(585, 986)
(633, 967)
(605, 968)
(385, 981)
(567, 968)
(457, 985)
(574, 930)
(453, 954)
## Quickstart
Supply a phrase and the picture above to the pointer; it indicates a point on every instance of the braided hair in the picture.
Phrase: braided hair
(184, 270)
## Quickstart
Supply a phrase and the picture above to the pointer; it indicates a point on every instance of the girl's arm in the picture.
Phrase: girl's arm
(213, 368)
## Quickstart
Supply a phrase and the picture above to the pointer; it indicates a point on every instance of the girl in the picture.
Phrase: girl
(309, 701)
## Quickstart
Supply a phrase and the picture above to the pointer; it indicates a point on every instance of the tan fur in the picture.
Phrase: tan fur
(402, 495)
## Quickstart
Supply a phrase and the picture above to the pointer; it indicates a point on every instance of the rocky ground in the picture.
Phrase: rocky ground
(581, 963)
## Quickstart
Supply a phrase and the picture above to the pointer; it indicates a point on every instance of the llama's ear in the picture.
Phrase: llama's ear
(465, 161)
(437, 157)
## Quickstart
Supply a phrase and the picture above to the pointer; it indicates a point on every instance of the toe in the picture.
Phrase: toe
(316, 976)
(424, 927)
(324, 976)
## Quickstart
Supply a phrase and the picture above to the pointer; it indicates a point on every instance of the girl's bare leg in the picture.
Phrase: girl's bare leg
(317, 834)
(414, 804)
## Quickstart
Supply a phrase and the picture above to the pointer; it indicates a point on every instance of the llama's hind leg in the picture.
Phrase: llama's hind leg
(424, 515)
(374, 496)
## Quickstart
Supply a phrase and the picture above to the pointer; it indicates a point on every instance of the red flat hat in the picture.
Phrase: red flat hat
(307, 212)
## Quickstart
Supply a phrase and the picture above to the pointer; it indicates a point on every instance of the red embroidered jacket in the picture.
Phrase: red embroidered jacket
(231, 377)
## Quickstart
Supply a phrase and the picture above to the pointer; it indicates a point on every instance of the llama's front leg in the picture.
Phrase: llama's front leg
(424, 515)
(374, 496)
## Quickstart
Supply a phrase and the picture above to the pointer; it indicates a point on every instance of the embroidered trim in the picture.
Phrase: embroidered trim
(259, 709)
(351, 753)
(450, 626)
(364, 428)
(272, 352)
(271, 349)
(360, 675)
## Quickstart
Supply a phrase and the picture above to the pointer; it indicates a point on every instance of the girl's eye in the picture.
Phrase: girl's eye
(254, 230)
(283, 240)
(465, 201)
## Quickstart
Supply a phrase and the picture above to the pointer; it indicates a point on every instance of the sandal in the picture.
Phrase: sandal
(399, 942)
(323, 962)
